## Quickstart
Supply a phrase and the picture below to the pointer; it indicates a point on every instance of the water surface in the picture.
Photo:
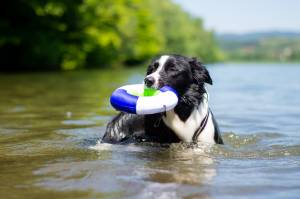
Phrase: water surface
(50, 125)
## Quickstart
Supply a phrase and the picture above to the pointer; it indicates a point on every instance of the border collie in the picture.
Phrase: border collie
(190, 121)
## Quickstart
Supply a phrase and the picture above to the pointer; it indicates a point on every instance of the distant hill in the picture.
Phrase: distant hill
(261, 46)
(256, 35)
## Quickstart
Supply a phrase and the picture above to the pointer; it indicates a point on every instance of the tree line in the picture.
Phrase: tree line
(271, 46)
(62, 34)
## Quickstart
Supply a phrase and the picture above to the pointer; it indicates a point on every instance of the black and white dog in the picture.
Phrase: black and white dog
(190, 121)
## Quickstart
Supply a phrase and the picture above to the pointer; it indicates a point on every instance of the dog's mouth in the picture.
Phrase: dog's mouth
(153, 83)
(153, 87)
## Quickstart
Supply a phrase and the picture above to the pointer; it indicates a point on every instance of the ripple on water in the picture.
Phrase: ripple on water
(152, 170)
(258, 145)
(255, 146)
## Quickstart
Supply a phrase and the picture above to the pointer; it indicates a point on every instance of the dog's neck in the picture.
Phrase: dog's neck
(193, 97)
(187, 116)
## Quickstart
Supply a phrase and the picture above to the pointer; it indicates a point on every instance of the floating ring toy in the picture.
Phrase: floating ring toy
(139, 100)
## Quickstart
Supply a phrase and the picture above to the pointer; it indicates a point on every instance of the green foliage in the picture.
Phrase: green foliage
(56, 34)
(185, 34)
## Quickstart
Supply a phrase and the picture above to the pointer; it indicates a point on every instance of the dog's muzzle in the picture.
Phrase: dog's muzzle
(149, 81)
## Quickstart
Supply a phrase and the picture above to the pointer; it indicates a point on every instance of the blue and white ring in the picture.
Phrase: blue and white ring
(122, 100)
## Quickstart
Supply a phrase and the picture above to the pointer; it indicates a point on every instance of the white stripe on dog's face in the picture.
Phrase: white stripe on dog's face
(162, 60)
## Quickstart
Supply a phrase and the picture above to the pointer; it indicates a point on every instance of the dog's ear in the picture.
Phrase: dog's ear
(200, 73)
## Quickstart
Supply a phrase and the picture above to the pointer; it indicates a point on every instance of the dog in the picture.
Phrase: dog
(190, 121)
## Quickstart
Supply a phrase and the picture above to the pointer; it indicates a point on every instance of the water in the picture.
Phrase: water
(50, 125)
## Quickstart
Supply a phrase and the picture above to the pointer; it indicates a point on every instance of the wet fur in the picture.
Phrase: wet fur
(188, 77)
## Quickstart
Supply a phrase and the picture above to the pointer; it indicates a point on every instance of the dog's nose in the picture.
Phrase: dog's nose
(149, 81)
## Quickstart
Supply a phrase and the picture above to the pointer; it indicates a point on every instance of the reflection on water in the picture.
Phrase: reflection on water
(50, 126)
(149, 171)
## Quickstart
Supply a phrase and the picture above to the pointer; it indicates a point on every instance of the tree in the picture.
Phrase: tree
(55, 34)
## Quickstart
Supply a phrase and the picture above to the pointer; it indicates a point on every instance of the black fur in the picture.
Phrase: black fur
(184, 74)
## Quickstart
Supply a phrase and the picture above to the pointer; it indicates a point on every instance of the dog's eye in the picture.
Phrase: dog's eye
(156, 64)
(170, 68)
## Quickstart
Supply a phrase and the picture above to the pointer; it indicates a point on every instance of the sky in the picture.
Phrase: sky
(242, 16)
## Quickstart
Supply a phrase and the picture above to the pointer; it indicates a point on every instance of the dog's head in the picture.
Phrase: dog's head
(176, 71)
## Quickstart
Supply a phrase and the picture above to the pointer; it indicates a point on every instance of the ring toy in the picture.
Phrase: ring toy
(139, 100)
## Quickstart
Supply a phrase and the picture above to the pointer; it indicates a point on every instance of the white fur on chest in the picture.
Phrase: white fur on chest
(185, 130)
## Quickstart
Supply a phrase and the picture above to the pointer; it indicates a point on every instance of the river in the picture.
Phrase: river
(51, 123)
